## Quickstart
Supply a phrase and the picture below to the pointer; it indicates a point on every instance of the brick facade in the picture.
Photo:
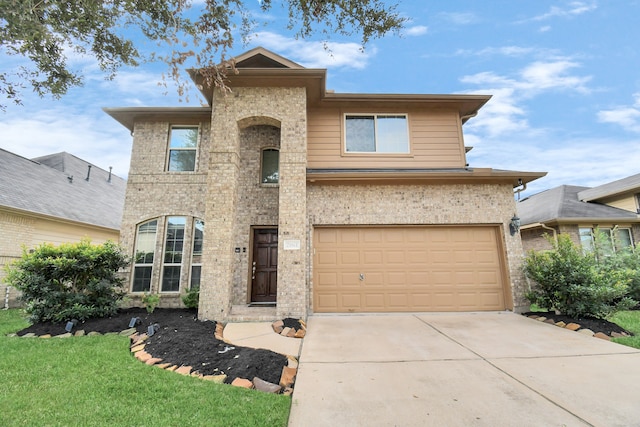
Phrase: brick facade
(421, 205)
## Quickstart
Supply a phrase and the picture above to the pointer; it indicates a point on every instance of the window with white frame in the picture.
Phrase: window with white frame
(144, 253)
(173, 250)
(610, 240)
(196, 254)
(270, 166)
(183, 146)
(376, 133)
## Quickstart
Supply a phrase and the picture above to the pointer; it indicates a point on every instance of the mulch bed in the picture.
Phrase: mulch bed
(595, 325)
(181, 339)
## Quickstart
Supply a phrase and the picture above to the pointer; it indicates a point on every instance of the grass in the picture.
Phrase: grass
(94, 381)
(629, 320)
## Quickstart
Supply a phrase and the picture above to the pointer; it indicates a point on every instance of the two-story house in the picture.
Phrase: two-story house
(282, 198)
(613, 208)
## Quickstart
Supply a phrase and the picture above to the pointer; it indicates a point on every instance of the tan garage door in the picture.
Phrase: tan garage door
(374, 269)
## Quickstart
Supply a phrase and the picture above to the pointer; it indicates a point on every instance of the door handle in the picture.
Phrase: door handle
(253, 271)
(361, 276)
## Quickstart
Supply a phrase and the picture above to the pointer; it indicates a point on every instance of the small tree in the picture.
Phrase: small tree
(574, 283)
(70, 281)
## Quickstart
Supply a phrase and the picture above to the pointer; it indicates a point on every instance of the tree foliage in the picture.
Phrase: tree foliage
(70, 281)
(577, 283)
(49, 32)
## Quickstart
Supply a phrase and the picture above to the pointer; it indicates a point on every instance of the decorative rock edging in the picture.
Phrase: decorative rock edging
(291, 332)
(137, 345)
(287, 378)
(578, 328)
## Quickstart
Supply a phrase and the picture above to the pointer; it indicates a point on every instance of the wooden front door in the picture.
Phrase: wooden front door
(264, 268)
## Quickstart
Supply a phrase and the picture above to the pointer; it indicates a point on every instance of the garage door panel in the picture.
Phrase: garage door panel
(350, 300)
(437, 268)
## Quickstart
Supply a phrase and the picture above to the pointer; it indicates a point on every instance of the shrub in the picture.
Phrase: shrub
(192, 298)
(150, 302)
(70, 281)
(574, 283)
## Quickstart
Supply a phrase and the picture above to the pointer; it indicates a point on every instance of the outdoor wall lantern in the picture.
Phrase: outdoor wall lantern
(514, 225)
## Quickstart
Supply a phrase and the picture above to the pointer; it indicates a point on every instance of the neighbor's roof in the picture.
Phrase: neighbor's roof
(561, 204)
(630, 183)
(44, 186)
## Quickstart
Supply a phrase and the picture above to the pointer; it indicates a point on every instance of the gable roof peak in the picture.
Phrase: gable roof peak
(260, 57)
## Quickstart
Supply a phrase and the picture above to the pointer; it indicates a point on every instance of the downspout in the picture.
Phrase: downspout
(553, 230)
(520, 190)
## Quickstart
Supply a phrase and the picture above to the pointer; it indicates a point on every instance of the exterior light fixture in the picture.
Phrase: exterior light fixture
(514, 225)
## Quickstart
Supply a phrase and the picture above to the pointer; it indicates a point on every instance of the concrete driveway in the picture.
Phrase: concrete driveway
(468, 369)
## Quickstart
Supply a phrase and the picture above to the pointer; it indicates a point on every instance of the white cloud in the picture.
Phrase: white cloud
(569, 161)
(573, 8)
(417, 30)
(628, 117)
(504, 114)
(314, 54)
(101, 141)
(460, 18)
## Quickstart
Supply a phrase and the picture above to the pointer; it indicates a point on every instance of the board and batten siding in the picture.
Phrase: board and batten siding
(435, 140)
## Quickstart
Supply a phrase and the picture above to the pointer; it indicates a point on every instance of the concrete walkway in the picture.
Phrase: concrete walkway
(468, 369)
(261, 335)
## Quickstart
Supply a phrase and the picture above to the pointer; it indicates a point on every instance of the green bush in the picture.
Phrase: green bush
(150, 302)
(69, 281)
(192, 298)
(574, 283)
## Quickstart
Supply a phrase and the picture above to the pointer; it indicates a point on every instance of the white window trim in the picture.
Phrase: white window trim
(164, 264)
(195, 149)
(611, 230)
(152, 264)
(375, 153)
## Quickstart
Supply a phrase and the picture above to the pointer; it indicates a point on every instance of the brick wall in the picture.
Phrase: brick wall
(237, 120)
(421, 204)
(153, 193)
(17, 230)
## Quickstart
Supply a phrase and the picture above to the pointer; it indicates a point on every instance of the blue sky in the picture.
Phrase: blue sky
(564, 75)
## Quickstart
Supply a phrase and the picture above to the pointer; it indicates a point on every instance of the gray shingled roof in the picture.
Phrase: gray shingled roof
(562, 203)
(623, 185)
(43, 186)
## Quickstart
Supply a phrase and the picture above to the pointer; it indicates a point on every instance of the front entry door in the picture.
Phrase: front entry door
(264, 268)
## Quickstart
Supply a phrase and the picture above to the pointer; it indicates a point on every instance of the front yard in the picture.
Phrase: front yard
(94, 381)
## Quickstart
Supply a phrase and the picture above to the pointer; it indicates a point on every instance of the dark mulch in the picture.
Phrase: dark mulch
(596, 325)
(181, 339)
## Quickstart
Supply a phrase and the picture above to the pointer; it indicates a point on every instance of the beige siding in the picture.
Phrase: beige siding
(626, 202)
(27, 231)
(47, 231)
(435, 141)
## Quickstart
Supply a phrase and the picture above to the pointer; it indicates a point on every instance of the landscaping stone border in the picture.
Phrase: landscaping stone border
(577, 327)
(137, 348)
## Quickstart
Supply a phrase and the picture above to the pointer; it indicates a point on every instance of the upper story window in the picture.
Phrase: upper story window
(183, 145)
(270, 166)
(143, 261)
(376, 133)
(609, 239)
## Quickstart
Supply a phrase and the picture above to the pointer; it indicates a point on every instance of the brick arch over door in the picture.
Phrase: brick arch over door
(259, 120)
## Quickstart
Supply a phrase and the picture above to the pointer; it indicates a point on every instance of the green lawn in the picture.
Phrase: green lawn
(629, 320)
(94, 381)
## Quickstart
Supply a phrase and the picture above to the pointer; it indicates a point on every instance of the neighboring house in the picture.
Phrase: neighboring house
(54, 199)
(578, 211)
(283, 194)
